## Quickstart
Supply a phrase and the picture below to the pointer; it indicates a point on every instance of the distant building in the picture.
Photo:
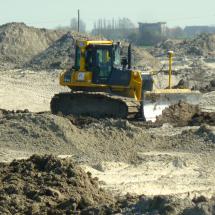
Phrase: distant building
(158, 27)
(195, 30)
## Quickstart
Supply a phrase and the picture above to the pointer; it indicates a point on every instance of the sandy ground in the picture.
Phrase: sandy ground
(166, 163)
(28, 89)
(33, 90)
(161, 173)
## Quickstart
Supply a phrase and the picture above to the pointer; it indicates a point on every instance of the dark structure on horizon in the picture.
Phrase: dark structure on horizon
(158, 27)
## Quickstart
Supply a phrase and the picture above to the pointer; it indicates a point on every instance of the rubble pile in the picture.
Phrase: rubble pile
(45, 184)
(202, 45)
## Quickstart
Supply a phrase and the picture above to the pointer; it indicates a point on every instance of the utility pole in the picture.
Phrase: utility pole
(78, 20)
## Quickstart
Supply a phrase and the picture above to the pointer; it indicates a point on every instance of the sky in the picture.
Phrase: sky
(54, 13)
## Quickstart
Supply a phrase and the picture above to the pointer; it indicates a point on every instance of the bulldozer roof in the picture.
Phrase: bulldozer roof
(94, 42)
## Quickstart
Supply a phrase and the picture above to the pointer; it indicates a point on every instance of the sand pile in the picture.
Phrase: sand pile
(44, 184)
(59, 55)
(19, 43)
(87, 140)
(141, 58)
(24, 46)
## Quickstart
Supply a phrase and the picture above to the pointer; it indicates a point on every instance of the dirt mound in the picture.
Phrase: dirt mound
(41, 132)
(19, 43)
(178, 114)
(141, 58)
(208, 88)
(61, 54)
(184, 114)
(47, 185)
(87, 140)
(202, 45)
(44, 184)
(203, 118)
(158, 205)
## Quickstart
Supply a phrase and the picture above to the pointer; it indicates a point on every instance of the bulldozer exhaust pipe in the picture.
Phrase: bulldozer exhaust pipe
(170, 56)
(129, 56)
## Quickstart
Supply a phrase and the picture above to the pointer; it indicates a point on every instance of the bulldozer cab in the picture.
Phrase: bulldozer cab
(102, 60)
(99, 61)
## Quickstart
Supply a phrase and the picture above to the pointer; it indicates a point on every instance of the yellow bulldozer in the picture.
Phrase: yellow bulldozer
(103, 84)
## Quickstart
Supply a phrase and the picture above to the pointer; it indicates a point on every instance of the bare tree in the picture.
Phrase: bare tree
(113, 29)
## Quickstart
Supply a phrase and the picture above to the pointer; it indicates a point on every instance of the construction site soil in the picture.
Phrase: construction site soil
(22, 46)
(19, 43)
(202, 45)
(155, 159)
(47, 185)
(101, 166)
(184, 114)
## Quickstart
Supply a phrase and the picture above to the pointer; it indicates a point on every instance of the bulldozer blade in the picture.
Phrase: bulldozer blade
(156, 101)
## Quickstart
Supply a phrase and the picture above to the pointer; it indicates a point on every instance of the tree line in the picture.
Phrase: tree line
(125, 29)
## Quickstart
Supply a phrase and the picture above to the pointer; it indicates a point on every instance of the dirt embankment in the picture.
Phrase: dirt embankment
(19, 43)
(60, 54)
(47, 185)
(24, 46)
(162, 205)
(184, 114)
(88, 140)
(141, 58)
(208, 88)
(202, 45)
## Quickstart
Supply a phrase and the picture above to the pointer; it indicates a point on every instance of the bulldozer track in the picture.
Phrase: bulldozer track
(99, 105)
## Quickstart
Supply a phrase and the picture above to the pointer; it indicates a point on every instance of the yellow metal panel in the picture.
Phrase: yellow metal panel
(103, 42)
(135, 85)
(84, 43)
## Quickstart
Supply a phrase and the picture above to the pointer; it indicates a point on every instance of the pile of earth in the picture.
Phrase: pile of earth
(87, 140)
(24, 46)
(48, 185)
(202, 45)
(184, 114)
(44, 184)
(178, 114)
(208, 88)
(19, 43)
(141, 58)
(158, 205)
(60, 54)
(201, 118)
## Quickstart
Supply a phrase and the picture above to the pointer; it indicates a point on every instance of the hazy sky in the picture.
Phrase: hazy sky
(52, 13)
